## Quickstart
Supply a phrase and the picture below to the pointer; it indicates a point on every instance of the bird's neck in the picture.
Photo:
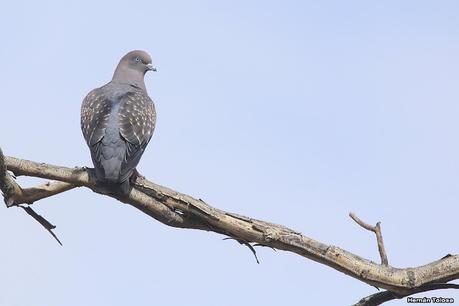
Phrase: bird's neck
(124, 75)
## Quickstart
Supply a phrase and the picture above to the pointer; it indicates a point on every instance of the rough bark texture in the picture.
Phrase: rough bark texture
(180, 210)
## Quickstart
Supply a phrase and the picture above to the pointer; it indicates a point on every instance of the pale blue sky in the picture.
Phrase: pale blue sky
(296, 112)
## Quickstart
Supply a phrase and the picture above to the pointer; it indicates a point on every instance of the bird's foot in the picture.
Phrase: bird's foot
(83, 168)
(136, 175)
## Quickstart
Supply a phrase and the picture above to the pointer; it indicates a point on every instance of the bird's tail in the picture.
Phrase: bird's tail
(117, 188)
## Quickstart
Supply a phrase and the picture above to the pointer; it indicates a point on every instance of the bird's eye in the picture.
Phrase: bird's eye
(137, 59)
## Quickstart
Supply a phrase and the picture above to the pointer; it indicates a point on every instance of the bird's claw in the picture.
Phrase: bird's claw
(136, 175)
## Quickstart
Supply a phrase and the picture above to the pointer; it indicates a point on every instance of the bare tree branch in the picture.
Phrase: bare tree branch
(377, 230)
(180, 210)
(30, 195)
(14, 195)
(45, 223)
(8, 185)
(382, 297)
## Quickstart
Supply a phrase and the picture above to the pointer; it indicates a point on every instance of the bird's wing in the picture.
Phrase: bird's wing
(137, 119)
(95, 111)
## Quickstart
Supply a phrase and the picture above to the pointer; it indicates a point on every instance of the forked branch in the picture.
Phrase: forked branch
(377, 230)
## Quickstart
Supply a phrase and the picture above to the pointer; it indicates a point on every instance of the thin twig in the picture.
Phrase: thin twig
(45, 223)
(247, 244)
(381, 249)
(377, 230)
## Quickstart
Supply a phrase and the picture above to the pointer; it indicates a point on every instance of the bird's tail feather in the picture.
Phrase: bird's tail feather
(118, 188)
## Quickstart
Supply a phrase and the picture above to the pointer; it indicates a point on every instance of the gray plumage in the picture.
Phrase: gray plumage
(118, 120)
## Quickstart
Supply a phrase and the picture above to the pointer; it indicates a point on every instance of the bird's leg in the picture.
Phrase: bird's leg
(135, 175)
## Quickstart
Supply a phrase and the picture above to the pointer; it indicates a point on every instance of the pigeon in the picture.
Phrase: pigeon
(117, 121)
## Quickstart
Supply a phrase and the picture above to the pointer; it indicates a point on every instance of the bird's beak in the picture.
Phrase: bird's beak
(150, 67)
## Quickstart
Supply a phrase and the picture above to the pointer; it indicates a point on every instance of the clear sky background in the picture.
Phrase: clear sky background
(295, 112)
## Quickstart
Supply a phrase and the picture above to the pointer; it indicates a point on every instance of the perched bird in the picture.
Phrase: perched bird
(118, 120)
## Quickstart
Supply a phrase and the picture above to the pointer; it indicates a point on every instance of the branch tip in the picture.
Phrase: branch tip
(43, 222)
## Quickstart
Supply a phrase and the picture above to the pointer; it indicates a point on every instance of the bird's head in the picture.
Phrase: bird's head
(138, 60)
(132, 68)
